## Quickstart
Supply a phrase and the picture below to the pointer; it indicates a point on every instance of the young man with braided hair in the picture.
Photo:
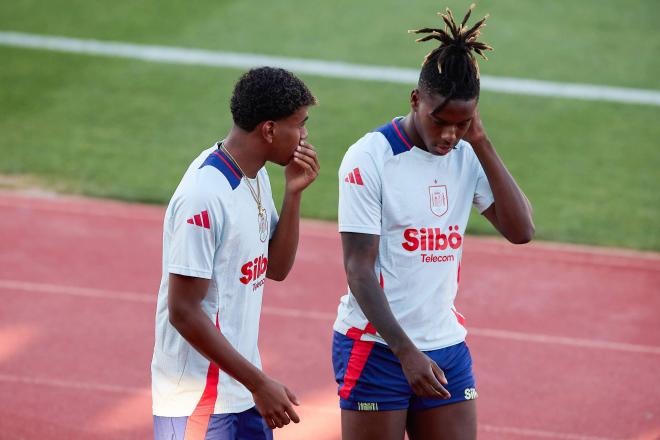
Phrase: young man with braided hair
(222, 238)
(405, 195)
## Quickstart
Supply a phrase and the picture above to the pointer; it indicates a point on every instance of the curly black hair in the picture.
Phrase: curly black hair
(267, 94)
(451, 69)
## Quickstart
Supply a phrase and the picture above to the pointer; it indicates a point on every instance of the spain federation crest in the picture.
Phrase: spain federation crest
(439, 199)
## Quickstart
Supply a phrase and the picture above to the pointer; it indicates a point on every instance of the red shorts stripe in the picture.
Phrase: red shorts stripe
(357, 361)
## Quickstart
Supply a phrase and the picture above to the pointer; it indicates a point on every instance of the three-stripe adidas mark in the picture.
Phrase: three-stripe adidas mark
(354, 177)
(201, 219)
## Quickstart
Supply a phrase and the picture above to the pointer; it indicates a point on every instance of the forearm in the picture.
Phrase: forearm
(371, 299)
(284, 244)
(199, 331)
(514, 212)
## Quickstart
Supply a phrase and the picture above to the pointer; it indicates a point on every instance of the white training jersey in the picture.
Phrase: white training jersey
(211, 230)
(419, 204)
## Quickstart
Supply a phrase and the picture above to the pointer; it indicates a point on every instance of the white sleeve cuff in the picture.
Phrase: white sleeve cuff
(361, 229)
(186, 271)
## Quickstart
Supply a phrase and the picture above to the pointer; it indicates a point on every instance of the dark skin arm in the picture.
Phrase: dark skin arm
(511, 213)
(423, 374)
(272, 399)
(299, 174)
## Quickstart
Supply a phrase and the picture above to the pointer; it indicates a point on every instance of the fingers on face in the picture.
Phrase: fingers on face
(307, 150)
(307, 162)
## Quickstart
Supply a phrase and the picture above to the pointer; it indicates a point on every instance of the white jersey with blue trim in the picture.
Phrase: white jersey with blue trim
(211, 230)
(419, 204)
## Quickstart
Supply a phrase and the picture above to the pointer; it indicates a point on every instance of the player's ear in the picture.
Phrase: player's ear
(414, 99)
(268, 131)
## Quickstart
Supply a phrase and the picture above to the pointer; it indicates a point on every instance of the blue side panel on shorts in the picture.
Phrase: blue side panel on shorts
(167, 428)
(395, 136)
(219, 160)
(382, 385)
(341, 353)
(378, 387)
(247, 425)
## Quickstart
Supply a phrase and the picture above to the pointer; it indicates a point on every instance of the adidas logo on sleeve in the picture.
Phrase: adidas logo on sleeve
(201, 219)
(354, 177)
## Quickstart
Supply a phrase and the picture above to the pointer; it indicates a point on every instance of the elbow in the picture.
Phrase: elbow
(174, 319)
(177, 317)
(525, 235)
(277, 275)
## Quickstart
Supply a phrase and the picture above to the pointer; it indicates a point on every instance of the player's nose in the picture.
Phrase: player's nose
(448, 134)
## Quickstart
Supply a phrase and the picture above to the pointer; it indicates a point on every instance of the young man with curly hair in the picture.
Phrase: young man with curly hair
(222, 238)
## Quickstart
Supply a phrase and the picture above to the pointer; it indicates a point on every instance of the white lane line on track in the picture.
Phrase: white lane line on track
(333, 69)
(116, 389)
(30, 287)
(66, 205)
(76, 385)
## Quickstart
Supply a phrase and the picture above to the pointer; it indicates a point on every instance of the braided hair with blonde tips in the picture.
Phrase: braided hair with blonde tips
(451, 69)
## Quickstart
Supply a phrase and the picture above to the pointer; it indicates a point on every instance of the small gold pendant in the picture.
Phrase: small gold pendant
(263, 225)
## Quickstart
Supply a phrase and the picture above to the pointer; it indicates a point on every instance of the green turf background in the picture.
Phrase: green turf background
(128, 129)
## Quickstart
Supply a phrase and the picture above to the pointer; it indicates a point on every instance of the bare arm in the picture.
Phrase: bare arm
(360, 251)
(511, 213)
(185, 295)
(299, 173)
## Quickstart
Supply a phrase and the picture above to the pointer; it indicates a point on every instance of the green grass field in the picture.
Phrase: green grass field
(127, 129)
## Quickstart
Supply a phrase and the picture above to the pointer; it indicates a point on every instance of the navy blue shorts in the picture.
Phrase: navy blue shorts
(248, 425)
(370, 377)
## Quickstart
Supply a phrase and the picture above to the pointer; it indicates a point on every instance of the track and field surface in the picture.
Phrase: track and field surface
(566, 339)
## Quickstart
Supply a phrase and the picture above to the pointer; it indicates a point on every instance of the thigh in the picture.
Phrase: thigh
(373, 425)
(457, 421)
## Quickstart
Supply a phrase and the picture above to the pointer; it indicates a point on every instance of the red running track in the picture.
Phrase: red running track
(565, 339)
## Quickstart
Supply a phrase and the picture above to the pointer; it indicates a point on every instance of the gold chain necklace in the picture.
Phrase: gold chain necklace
(256, 195)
